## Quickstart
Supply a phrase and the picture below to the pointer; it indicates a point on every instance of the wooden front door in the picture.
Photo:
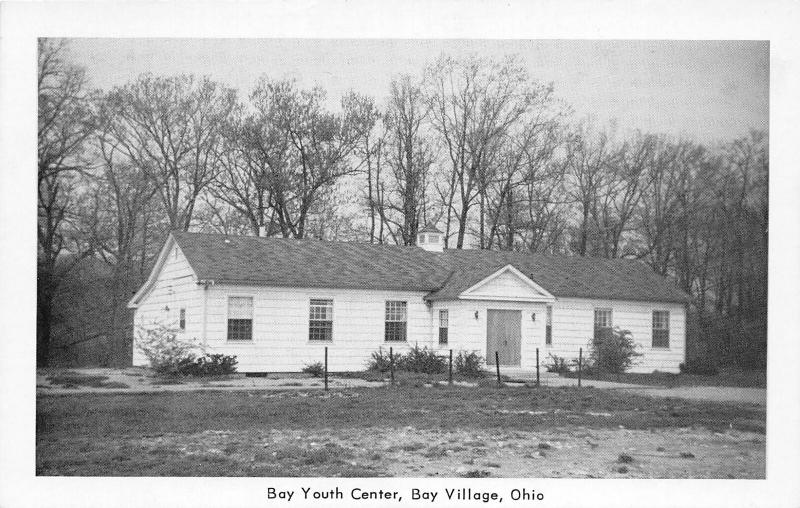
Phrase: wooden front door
(504, 335)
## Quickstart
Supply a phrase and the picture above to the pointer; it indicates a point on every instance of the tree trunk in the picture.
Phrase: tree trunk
(510, 219)
(462, 226)
(43, 326)
(584, 232)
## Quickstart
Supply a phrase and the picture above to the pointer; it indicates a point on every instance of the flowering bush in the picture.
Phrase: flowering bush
(171, 356)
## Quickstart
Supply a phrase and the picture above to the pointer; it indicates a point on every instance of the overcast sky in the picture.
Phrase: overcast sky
(704, 90)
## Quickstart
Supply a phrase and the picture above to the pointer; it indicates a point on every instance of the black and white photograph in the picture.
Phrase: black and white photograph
(341, 259)
(400, 238)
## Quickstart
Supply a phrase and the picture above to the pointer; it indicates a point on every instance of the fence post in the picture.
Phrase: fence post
(537, 367)
(326, 368)
(391, 365)
(497, 365)
(580, 361)
(450, 376)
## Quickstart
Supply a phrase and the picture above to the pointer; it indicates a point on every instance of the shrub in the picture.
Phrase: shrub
(469, 364)
(315, 369)
(557, 364)
(702, 366)
(216, 365)
(167, 354)
(588, 367)
(381, 361)
(170, 356)
(422, 360)
(614, 352)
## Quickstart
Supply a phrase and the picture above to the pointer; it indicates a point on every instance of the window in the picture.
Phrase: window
(433, 238)
(661, 328)
(422, 238)
(602, 323)
(548, 329)
(443, 317)
(320, 320)
(182, 319)
(396, 314)
(240, 318)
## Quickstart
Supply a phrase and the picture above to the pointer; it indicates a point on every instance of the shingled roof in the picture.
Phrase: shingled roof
(350, 265)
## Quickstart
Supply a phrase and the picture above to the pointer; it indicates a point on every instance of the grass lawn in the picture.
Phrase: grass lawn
(731, 378)
(364, 432)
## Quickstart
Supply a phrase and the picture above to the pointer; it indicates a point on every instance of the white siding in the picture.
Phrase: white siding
(573, 328)
(281, 315)
(505, 285)
(280, 327)
(176, 288)
(469, 334)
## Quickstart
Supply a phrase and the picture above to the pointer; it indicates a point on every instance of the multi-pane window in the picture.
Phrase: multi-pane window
(396, 316)
(602, 323)
(548, 330)
(443, 324)
(660, 328)
(240, 318)
(182, 319)
(320, 320)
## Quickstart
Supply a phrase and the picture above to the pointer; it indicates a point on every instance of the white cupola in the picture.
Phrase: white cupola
(431, 239)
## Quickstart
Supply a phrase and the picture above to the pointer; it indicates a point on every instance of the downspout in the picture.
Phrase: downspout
(206, 284)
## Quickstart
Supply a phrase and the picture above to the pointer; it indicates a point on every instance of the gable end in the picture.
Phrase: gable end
(507, 283)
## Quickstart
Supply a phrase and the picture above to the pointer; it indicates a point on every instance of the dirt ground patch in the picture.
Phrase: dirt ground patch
(569, 452)
(437, 431)
(143, 380)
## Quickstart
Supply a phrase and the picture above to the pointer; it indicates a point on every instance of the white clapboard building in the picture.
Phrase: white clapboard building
(275, 303)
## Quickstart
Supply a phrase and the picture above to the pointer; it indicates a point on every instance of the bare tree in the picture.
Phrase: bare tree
(619, 192)
(409, 156)
(121, 199)
(171, 129)
(526, 162)
(370, 151)
(321, 143)
(589, 156)
(474, 104)
(660, 208)
(64, 123)
(253, 150)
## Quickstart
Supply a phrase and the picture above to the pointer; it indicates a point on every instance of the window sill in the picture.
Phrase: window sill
(229, 341)
(661, 348)
(309, 342)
